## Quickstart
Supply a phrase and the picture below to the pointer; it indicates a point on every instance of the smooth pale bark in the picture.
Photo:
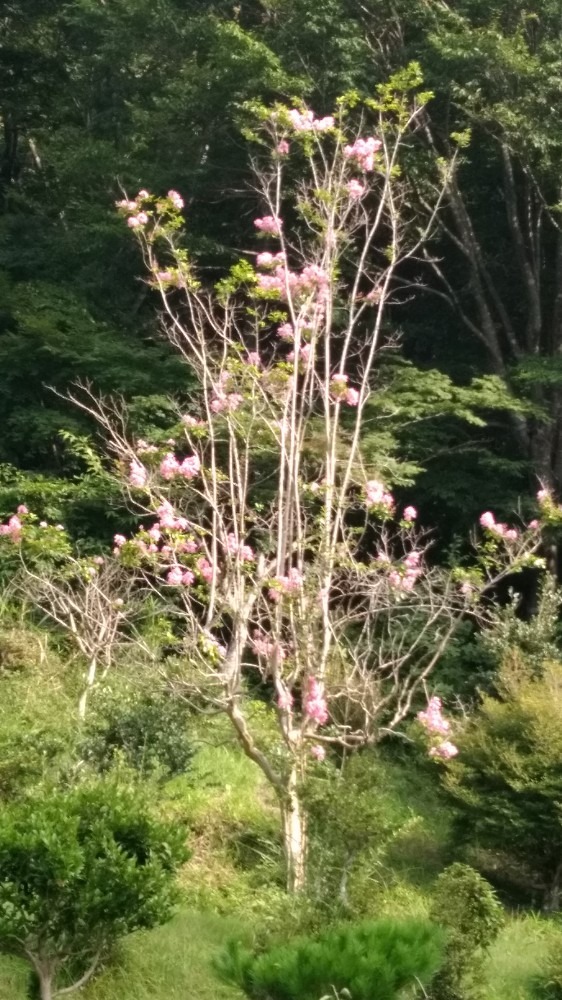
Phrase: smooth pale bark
(293, 819)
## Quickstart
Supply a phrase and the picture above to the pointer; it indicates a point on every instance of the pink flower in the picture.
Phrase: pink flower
(355, 189)
(189, 546)
(164, 276)
(119, 540)
(169, 466)
(236, 548)
(445, 750)
(374, 490)
(176, 199)
(265, 259)
(137, 474)
(363, 152)
(543, 495)
(318, 752)
(410, 514)
(190, 467)
(130, 206)
(352, 397)
(98, 560)
(466, 588)
(187, 578)
(142, 218)
(315, 706)
(253, 358)
(143, 194)
(511, 535)
(175, 576)
(283, 147)
(189, 421)
(339, 380)
(269, 224)
(133, 222)
(534, 525)
(205, 569)
(487, 520)
(284, 700)
(432, 719)
(323, 124)
(286, 331)
(302, 121)
(166, 515)
(22, 509)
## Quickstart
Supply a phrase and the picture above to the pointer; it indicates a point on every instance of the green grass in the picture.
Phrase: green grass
(518, 956)
(170, 963)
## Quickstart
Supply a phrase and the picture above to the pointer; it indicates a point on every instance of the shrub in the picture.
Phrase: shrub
(468, 908)
(79, 870)
(371, 961)
(146, 730)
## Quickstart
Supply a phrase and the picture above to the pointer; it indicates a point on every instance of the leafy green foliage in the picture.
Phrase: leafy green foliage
(79, 870)
(468, 908)
(366, 960)
(506, 784)
(145, 730)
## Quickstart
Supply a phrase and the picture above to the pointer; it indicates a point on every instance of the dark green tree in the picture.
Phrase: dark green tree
(79, 870)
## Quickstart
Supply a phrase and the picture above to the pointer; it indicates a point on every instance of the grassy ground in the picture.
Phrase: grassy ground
(518, 956)
(170, 963)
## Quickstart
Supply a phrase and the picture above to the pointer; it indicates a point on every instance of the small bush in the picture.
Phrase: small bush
(145, 730)
(370, 960)
(469, 910)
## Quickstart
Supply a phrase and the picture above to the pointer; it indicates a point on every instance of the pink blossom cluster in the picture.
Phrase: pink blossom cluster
(341, 391)
(377, 495)
(137, 474)
(444, 750)
(304, 121)
(289, 584)
(283, 147)
(13, 528)
(432, 718)
(188, 468)
(488, 521)
(286, 331)
(433, 721)
(270, 224)
(237, 548)
(267, 259)
(355, 189)
(265, 646)
(189, 421)
(363, 152)
(222, 399)
(318, 752)
(178, 576)
(284, 699)
(409, 514)
(176, 199)
(304, 353)
(144, 448)
(405, 578)
(313, 279)
(315, 706)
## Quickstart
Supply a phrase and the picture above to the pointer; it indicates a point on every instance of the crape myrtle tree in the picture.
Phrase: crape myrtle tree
(277, 549)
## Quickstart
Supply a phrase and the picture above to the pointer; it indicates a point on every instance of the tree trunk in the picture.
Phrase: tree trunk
(90, 679)
(46, 985)
(552, 896)
(294, 836)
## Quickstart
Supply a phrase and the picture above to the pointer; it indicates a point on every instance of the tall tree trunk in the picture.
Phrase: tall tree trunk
(293, 818)
(90, 680)
(46, 985)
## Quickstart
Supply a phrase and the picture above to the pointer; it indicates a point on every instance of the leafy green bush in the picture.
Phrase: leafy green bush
(80, 870)
(468, 908)
(146, 730)
(371, 961)
(506, 783)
